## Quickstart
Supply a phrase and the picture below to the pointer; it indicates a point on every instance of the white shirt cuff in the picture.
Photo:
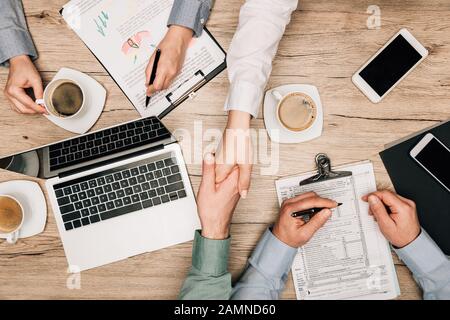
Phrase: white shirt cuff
(244, 96)
(422, 255)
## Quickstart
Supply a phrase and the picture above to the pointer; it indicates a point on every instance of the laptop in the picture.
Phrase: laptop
(116, 192)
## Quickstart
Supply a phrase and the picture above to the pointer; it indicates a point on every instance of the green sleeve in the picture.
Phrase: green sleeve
(208, 277)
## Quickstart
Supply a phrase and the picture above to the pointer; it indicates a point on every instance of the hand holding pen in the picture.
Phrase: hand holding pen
(309, 212)
(296, 232)
(173, 46)
(153, 74)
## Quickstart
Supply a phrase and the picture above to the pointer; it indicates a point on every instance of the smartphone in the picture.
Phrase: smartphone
(434, 157)
(393, 62)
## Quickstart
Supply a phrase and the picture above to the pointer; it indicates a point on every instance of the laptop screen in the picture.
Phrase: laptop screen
(89, 149)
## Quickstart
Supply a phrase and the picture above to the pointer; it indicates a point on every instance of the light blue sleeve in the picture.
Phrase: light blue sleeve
(429, 265)
(191, 14)
(15, 40)
(267, 270)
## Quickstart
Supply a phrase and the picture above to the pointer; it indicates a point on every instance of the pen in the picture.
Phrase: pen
(153, 75)
(309, 211)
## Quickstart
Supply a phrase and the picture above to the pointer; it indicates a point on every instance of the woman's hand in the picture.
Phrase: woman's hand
(173, 51)
(23, 75)
(235, 150)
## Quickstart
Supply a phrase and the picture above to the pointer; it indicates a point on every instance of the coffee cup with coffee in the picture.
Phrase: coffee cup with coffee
(11, 218)
(63, 98)
(296, 111)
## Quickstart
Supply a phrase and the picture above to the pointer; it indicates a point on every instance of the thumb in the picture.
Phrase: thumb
(209, 174)
(379, 211)
(245, 172)
(315, 223)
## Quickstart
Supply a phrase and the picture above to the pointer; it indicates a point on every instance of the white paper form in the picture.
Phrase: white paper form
(124, 34)
(348, 258)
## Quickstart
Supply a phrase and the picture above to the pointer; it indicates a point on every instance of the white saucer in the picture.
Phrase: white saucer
(94, 103)
(30, 196)
(276, 131)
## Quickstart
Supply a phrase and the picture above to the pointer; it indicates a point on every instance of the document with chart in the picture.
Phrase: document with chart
(124, 34)
(348, 258)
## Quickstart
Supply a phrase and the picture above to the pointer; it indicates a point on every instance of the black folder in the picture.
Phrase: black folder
(412, 181)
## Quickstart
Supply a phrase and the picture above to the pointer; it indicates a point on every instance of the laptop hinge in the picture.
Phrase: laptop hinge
(110, 161)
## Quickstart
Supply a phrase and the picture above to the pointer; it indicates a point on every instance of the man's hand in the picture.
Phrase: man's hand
(173, 50)
(236, 150)
(400, 225)
(216, 203)
(295, 232)
(23, 75)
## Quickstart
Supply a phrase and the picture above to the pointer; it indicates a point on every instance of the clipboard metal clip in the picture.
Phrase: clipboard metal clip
(324, 171)
(187, 89)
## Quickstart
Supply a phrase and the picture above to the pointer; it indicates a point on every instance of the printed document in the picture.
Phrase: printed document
(124, 34)
(348, 258)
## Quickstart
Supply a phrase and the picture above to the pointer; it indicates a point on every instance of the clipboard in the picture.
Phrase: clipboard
(190, 87)
(324, 171)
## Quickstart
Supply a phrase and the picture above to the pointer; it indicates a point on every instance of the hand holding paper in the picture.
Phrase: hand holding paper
(401, 225)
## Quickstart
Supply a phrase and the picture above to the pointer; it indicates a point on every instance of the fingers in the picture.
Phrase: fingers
(390, 199)
(209, 176)
(222, 171)
(315, 223)
(165, 73)
(38, 89)
(380, 213)
(245, 172)
(308, 203)
(23, 102)
(19, 107)
(158, 84)
(230, 184)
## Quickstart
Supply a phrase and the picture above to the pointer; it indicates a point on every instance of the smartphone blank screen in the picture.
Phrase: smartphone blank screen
(390, 65)
(436, 158)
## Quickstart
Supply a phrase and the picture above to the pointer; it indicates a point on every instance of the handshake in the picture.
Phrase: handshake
(396, 216)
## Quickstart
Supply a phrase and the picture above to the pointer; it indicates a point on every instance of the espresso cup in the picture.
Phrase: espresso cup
(63, 98)
(296, 111)
(11, 218)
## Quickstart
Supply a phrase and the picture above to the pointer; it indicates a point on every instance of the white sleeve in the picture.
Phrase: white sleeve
(254, 45)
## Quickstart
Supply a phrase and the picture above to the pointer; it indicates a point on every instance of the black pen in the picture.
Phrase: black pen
(309, 211)
(153, 75)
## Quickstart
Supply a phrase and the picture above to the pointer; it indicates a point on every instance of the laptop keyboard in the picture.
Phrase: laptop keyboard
(115, 192)
(106, 142)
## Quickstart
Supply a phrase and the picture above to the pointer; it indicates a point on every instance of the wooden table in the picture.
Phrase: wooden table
(324, 45)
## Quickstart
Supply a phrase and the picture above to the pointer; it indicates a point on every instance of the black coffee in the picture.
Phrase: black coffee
(67, 99)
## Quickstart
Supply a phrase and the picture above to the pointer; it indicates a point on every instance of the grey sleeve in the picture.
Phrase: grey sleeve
(15, 39)
(191, 14)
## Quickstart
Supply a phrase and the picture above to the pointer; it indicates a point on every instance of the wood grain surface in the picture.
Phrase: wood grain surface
(326, 42)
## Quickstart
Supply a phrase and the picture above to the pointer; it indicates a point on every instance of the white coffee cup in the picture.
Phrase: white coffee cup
(48, 95)
(298, 114)
(13, 235)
